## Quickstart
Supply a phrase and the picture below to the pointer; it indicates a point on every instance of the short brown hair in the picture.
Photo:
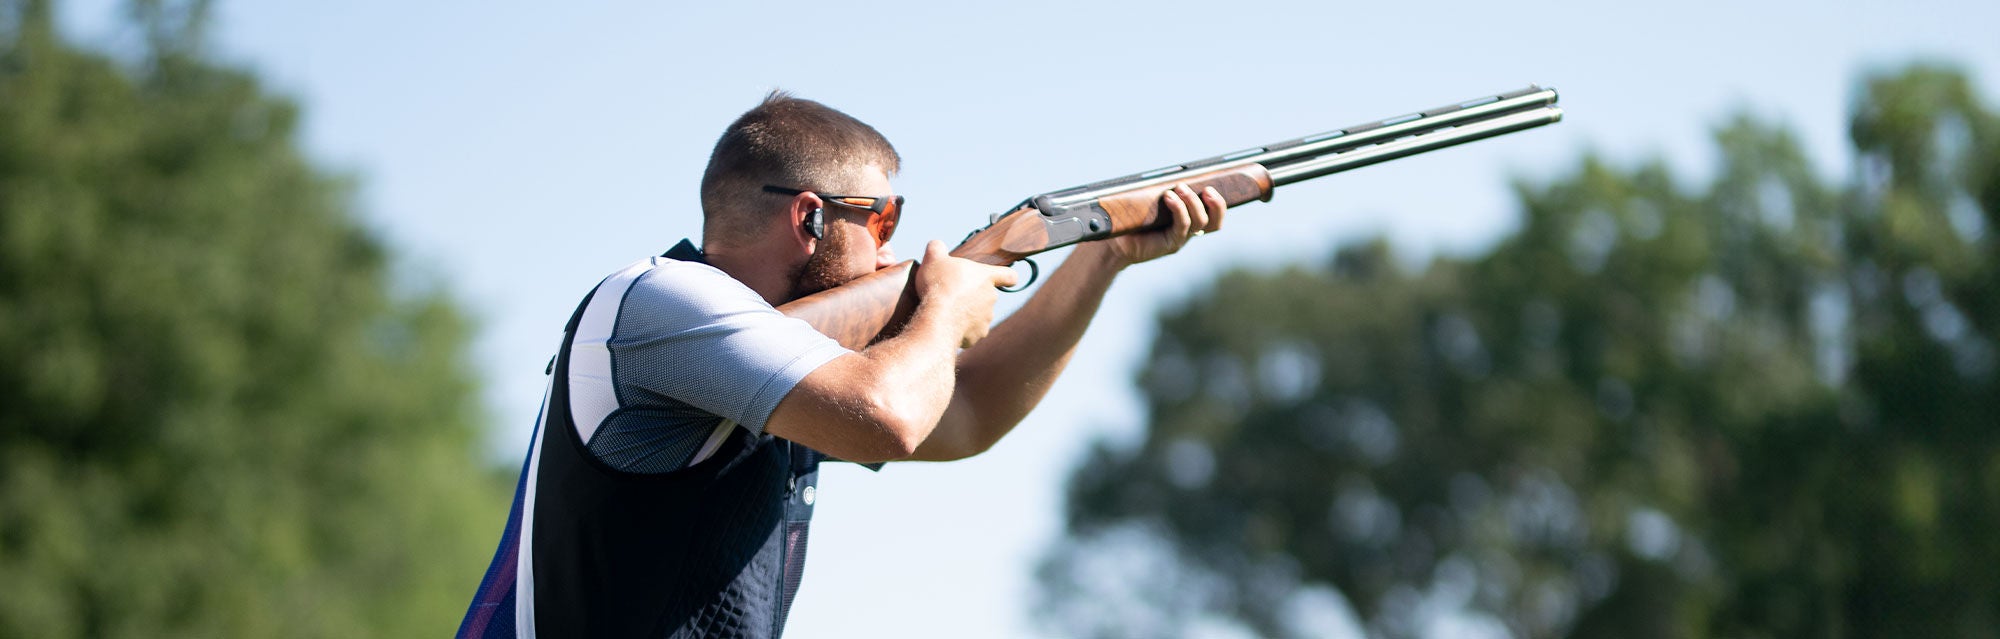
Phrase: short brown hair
(788, 142)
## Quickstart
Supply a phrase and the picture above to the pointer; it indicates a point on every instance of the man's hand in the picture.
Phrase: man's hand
(1191, 216)
(961, 291)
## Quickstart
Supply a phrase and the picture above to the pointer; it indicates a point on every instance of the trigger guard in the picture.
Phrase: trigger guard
(1034, 273)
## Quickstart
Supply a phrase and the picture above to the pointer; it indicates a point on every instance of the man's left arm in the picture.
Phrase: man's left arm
(1003, 377)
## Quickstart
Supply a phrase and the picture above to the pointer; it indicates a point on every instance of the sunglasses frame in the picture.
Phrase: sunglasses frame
(883, 213)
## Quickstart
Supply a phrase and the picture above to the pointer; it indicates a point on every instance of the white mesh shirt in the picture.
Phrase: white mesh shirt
(671, 355)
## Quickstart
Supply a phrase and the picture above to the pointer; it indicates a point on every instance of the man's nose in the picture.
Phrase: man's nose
(885, 257)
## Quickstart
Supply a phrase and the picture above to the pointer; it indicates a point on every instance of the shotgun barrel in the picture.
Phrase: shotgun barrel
(1358, 157)
(1321, 147)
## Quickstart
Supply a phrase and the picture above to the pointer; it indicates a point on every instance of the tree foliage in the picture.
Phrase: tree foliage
(1761, 405)
(216, 418)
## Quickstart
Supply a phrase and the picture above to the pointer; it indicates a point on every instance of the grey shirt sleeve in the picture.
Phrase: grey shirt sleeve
(691, 333)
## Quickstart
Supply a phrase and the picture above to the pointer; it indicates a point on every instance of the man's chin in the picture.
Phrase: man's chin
(806, 288)
(823, 270)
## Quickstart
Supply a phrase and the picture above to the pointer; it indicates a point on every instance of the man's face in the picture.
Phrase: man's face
(848, 250)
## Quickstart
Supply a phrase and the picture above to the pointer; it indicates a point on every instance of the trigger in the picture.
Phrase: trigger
(1034, 273)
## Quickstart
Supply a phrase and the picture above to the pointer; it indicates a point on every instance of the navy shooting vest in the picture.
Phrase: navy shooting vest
(712, 550)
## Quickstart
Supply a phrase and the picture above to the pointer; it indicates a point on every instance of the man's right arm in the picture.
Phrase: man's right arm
(880, 403)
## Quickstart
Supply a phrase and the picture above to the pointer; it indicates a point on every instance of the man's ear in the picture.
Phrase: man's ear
(807, 220)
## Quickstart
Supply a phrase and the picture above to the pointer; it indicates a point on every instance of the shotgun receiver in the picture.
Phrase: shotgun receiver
(871, 307)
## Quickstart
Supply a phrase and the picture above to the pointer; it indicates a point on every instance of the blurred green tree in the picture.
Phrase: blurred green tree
(1764, 406)
(217, 416)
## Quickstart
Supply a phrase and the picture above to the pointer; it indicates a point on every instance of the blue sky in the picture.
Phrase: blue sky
(515, 153)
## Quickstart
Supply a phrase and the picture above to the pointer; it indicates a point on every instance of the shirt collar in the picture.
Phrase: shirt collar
(686, 252)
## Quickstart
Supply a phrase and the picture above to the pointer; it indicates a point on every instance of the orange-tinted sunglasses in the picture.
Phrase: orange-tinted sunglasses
(883, 212)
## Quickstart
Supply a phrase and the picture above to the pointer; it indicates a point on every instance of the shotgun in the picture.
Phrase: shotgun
(873, 306)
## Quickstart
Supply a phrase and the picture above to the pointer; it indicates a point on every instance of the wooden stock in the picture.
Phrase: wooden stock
(875, 306)
(863, 311)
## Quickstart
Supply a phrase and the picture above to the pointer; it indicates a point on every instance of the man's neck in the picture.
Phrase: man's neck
(770, 278)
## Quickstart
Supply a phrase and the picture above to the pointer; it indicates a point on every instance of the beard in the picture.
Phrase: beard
(822, 270)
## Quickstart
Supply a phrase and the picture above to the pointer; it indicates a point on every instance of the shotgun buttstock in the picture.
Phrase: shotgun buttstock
(861, 312)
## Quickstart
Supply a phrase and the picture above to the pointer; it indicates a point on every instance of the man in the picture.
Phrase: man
(672, 473)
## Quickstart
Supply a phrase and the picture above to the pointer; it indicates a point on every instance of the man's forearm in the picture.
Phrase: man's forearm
(878, 404)
(1001, 378)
